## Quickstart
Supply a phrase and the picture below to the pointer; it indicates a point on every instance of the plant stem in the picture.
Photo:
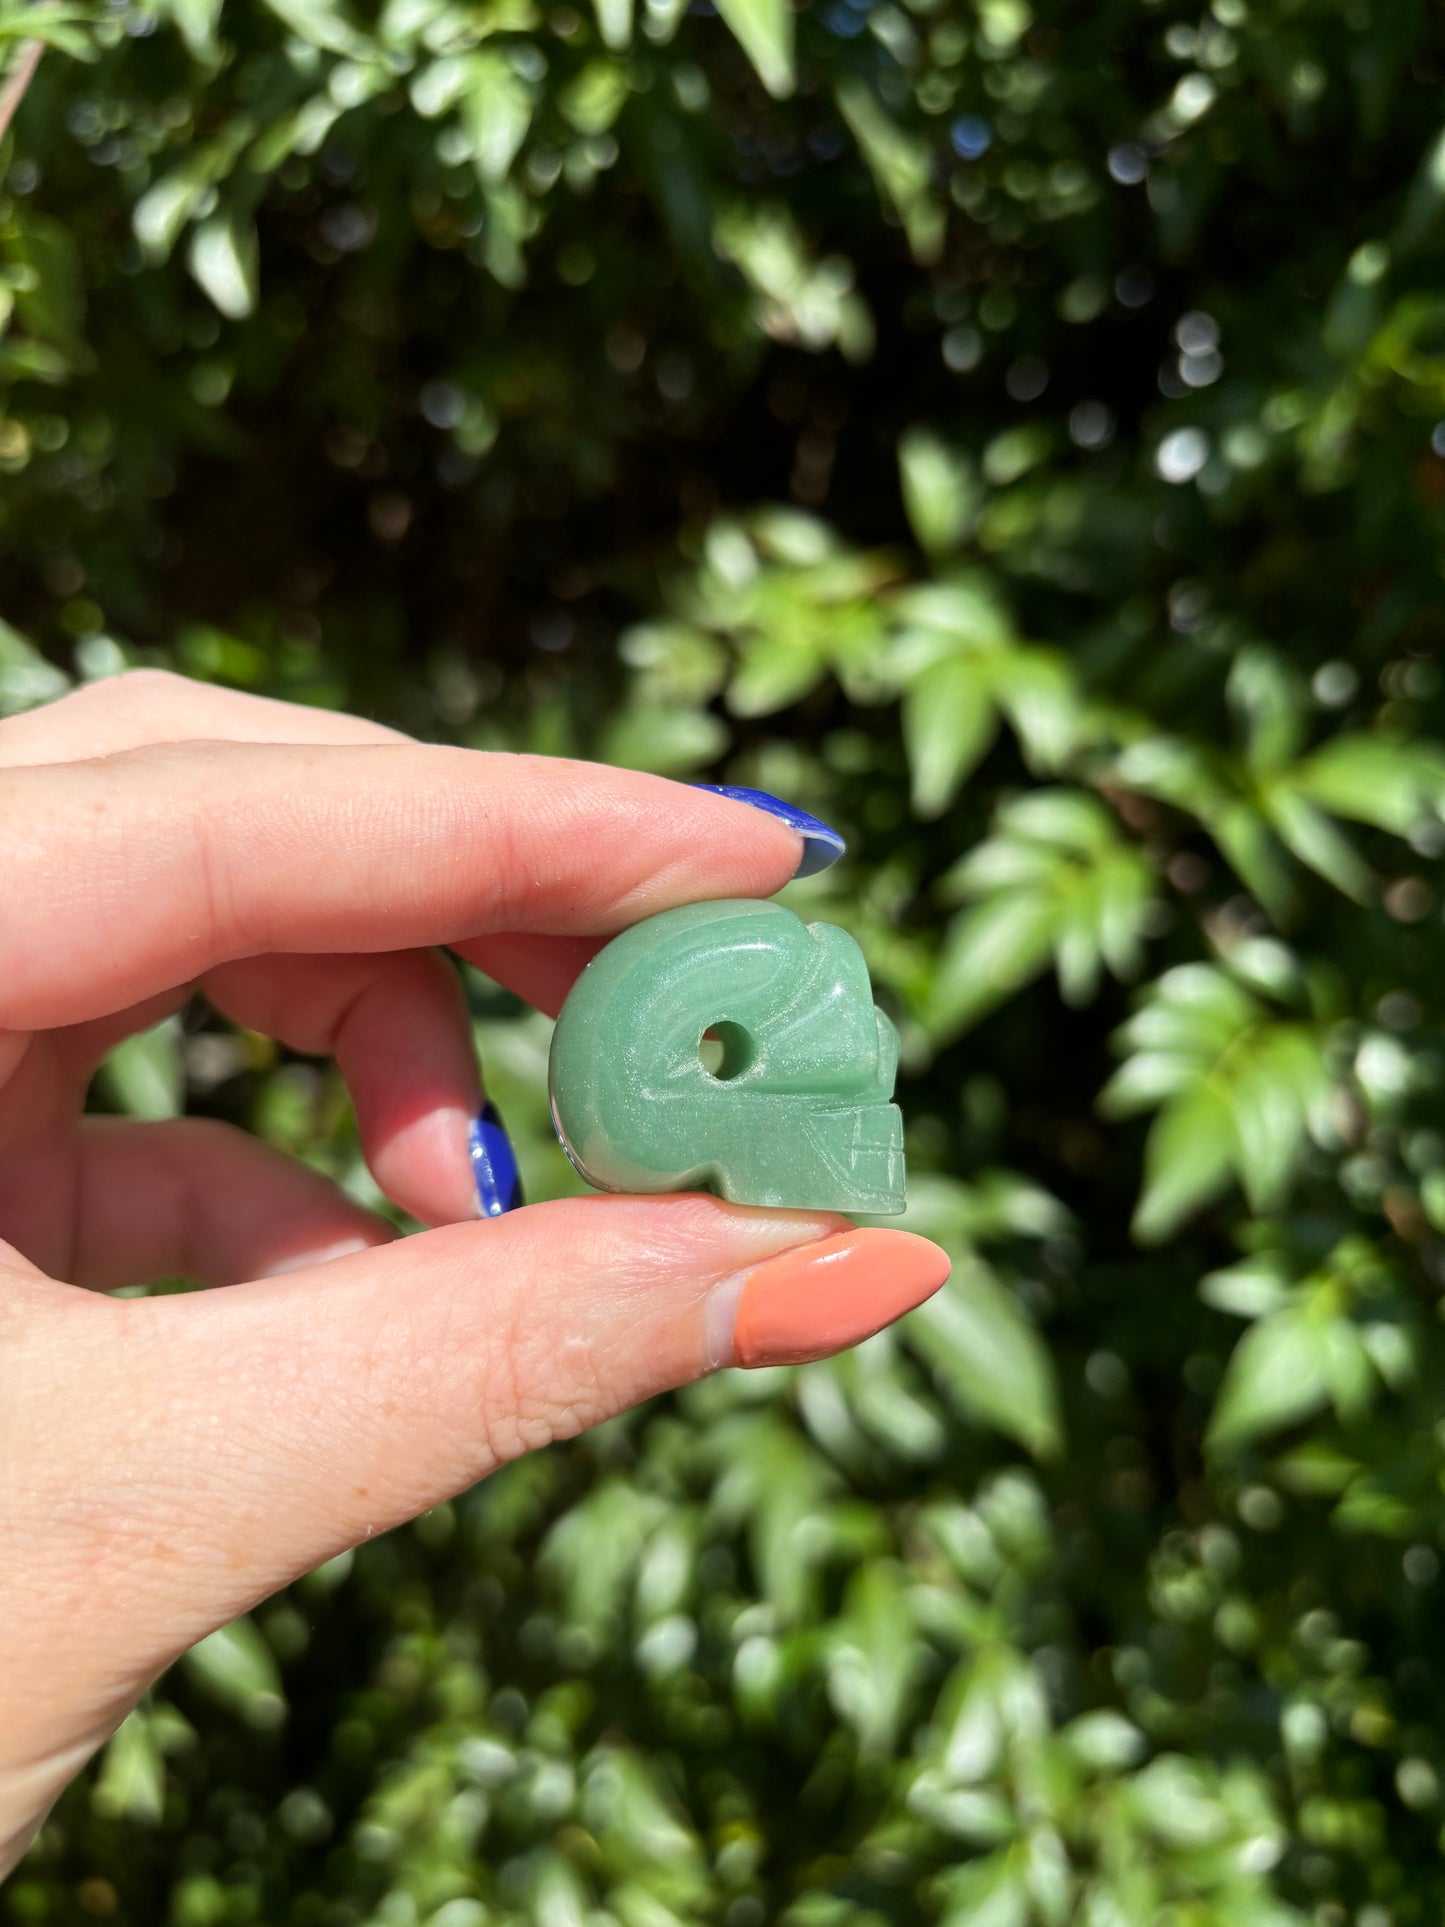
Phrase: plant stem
(17, 80)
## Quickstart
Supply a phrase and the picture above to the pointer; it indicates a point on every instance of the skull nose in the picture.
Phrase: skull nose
(726, 1050)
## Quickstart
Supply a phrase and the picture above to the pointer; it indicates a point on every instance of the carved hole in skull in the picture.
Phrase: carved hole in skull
(726, 1050)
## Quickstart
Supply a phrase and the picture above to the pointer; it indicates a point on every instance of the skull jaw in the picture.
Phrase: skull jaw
(841, 1157)
(789, 1154)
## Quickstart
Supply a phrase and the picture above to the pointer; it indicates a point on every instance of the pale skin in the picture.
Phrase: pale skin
(167, 1462)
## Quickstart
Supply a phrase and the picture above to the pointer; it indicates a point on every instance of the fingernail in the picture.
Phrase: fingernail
(821, 1298)
(822, 845)
(494, 1164)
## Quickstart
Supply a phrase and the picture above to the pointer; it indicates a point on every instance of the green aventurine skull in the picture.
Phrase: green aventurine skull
(797, 1110)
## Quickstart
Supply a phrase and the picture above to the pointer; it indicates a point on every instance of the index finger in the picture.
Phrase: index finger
(125, 875)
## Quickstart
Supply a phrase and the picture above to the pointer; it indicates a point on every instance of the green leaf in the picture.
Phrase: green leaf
(1275, 1088)
(593, 1552)
(51, 297)
(1038, 693)
(1057, 880)
(1146, 1080)
(223, 259)
(940, 491)
(1049, 1876)
(163, 210)
(143, 1075)
(614, 22)
(900, 165)
(69, 29)
(197, 21)
(1248, 845)
(990, 1357)
(1104, 1741)
(670, 742)
(967, 609)
(1194, 1008)
(1188, 1160)
(988, 1892)
(799, 298)
(1249, 1290)
(1178, 1802)
(991, 952)
(1348, 1369)
(774, 671)
(874, 1659)
(1277, 1375)
(1240, 1090)
(969, 1723)
(764, 31)
(323, 23)
(1268, 695)
(26, 678)
(595, 98)
(1311, 836)
(1390, 784)
(437, 86)
(236, 1668)
(131, 1784)
(949, 721)
(496, 112)
(510, 220)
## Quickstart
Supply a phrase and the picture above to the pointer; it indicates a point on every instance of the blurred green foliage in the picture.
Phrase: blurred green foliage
(1015, 432)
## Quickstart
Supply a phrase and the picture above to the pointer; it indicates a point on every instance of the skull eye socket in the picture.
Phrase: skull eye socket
(726, 1050)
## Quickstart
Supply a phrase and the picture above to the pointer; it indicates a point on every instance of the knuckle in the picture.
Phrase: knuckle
(139, 687)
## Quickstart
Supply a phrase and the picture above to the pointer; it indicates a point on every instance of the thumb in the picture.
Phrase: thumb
(186, 1455)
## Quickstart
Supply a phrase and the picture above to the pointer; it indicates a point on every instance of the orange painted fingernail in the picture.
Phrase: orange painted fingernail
(822, 1297)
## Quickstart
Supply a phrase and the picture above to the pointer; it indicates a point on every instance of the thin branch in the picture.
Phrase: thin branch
(17, 80)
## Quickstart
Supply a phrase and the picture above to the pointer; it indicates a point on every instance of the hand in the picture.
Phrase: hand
(167, 1462)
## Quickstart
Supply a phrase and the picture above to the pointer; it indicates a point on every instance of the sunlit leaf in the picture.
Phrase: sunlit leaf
(1040, 698)
(614, 21)
(939, 490)
(197, 21)
(143, 1075)
(132, 1781)
(1278, 1374)
(26, 678)
(1372, 780)
(324, 23)
(497, 111)
(595, 98)
(670, 741)
(874, 1661)
(948, 722)
(992, 950)
(1055, 880)
(764, 31)
(775, 670)
(1313, 838)
(990, 1357)
(1188, 1160)
(235, 1667)
(223, 258)
(163, 210)
(900, 164)
(1105, 1741)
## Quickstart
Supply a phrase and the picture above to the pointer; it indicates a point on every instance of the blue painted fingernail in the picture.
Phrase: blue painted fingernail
(494, 1164)
(822, 845)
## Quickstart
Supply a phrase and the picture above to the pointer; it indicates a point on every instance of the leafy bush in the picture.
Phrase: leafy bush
(1015, 434)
